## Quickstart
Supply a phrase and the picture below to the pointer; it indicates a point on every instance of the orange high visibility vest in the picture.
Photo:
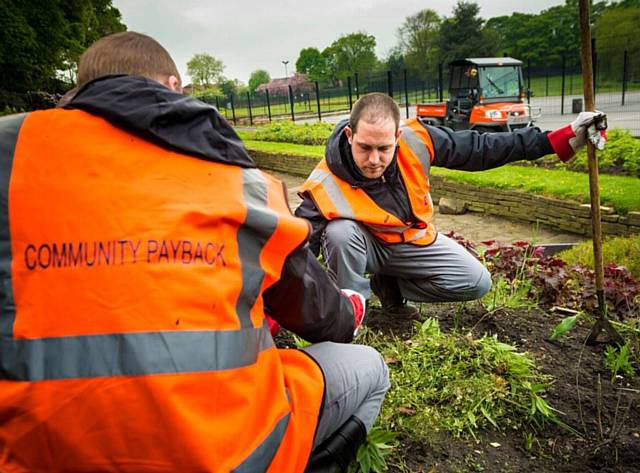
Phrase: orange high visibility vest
(336, 198)
(132, 333)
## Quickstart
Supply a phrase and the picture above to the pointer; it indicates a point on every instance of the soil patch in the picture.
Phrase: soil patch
(606, 414)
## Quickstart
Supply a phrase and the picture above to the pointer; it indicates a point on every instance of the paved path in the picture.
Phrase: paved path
(473, 226)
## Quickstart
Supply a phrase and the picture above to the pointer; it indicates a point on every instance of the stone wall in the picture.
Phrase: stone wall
(556, 213)
(294, 165)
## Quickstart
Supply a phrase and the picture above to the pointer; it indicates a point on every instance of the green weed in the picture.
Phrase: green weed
(618, 361)
(371, 454)
(454, 383)
(509, 295)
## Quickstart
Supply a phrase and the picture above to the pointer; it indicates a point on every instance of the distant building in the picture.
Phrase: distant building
(299, 85)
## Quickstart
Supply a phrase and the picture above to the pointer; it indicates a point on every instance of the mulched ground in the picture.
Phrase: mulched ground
(608, 415)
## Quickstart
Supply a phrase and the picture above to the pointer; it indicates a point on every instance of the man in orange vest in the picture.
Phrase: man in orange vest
(371, 210)
(141, 249)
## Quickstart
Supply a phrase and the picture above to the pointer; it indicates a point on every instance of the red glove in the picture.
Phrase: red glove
(568, 140)
(274, 327)
(358, 302)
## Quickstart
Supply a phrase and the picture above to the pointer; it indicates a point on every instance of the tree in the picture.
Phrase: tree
(258, 77)
(462, 35)
(352, 53)
(232, 87)
(616, 32)
(395, 61)
(312, 63)
(89, 20)
(205, 70)
(418, 37)
(39, 38)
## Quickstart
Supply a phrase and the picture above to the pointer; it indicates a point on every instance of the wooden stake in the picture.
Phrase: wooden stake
(594, 189)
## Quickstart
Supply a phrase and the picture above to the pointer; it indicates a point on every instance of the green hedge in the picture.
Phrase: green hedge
(624, 251)
(621, 156)
(286, 131)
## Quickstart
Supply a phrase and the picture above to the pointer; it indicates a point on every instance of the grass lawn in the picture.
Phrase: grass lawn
(620, 192)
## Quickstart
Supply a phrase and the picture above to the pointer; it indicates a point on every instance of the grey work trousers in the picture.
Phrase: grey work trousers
(356, 380)
(441, 272)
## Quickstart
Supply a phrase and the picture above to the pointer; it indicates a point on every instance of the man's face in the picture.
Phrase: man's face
(373, 146)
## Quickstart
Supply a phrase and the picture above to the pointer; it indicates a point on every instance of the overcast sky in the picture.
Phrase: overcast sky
(259, 34)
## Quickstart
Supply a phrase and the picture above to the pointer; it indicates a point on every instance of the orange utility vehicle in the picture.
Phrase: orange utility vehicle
(485, 94)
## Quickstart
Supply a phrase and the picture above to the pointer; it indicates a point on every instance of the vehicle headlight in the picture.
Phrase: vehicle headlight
(493, 114)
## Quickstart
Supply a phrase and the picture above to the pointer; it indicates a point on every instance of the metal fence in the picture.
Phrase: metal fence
(555, 90)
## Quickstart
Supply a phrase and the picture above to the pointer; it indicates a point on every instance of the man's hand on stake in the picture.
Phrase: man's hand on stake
(570, 139)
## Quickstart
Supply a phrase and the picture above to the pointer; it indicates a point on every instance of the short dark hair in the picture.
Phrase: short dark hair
(372, 108)
(128, 53)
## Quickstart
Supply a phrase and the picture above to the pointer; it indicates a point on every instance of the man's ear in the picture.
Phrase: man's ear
(398, 133)
(348, 133)
(173, 83)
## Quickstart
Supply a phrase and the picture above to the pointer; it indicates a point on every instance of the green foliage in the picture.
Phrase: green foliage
(311, 62)
(544, 38)
(418, 37)
(258, 77)
(9, 111)
(205, 70)
(40, 38)
(564, 326)
(288, 132)
(621, 152)
(509, 295)
(615, 32)
(299, 342)
(462, 35)
(354, 52)
(618, 361)
(451, 382)
(207, 94)
(289, 149)
(395, 61)
(230, 87)
(371, 454)
(624, 251)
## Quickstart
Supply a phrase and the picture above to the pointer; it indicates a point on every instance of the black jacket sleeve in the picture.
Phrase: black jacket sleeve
(308, 303)
(472, 151)
(308, 210)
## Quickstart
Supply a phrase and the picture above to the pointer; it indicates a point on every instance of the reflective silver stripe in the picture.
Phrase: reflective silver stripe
(383, 229)
(131, 354)
(261, 457)
(317, 175)
(9, 130)
(331, 187)
(258, 227)
(418, 235)
(418, 147)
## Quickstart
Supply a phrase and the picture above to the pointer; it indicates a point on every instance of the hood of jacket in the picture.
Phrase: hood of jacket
(160, 115)
(340, 160)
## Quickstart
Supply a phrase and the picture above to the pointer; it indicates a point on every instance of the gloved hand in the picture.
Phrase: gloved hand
(568, 140)
(274, 327)
(358, 302)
